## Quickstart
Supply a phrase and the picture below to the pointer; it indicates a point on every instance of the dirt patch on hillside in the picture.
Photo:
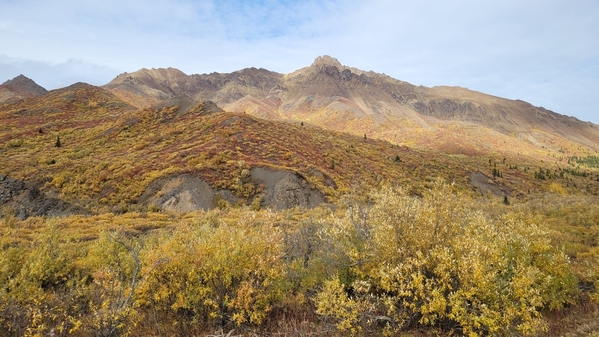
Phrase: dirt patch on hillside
(485, 184)
(286, 189)
(25, 200)
(187, 193)
(182, 193)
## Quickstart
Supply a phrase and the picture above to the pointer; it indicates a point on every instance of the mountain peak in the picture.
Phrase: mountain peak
(21, 81)
(20, 78)
(320, 63)
(327, 60)
(21, 87)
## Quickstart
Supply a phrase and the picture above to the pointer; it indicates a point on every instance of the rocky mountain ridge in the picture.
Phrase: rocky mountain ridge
(334, 96)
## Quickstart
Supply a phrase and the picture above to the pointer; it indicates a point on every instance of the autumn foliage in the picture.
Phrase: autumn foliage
(435, 261)
(379, 264)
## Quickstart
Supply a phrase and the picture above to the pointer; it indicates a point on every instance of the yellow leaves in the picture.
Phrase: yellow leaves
(332, 301)
(61, 178)
(393, 261)
(436, 258)
(215, 270)
(31, 295)
(247, 299)
(14, 143)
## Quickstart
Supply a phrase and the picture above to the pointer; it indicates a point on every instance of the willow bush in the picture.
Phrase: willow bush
(435, 261)
(213, 274)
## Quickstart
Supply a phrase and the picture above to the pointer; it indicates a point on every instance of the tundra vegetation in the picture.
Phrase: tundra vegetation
(387, 262)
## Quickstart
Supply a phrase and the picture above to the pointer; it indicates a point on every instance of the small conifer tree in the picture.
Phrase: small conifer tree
(58, 143)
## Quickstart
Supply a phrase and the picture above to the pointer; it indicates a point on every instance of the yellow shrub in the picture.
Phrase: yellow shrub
(216, 272)
(557, 188)
(333, 302)
(439, 263)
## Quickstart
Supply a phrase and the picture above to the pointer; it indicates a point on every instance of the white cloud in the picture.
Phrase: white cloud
(53, 76)
(533, 50)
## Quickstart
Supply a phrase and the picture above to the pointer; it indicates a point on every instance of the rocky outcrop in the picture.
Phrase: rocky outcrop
(24, 201)
(183, 193)
(486, 185)
(180, 193)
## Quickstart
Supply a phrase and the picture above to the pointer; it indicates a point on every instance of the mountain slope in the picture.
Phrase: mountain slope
(346, 99)
(113, 155)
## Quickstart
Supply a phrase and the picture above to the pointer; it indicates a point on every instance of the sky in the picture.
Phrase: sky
(545, 52)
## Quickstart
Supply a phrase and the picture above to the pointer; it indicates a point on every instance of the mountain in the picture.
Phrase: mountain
(337, 97)
(18, 88)
(182, 154)
(146, 87)
(163, 138)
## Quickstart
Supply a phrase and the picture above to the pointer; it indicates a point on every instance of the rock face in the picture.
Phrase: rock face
(186, 193)
(25, 201)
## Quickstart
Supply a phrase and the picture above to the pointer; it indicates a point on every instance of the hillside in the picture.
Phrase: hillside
(110, 153)
(127, 149)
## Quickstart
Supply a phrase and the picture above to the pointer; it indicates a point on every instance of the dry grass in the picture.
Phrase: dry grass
(577, 321)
